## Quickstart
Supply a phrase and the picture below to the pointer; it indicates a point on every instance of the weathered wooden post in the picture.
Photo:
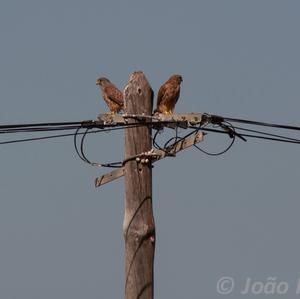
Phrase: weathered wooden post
(138, 226)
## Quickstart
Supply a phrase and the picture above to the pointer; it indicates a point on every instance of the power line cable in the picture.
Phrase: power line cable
(266, 134)
(68, 134)
(257, 123)
(51, 124)
(279, 139)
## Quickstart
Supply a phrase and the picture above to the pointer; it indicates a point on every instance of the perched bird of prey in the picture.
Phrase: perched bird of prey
(111, 95)
(168, 95)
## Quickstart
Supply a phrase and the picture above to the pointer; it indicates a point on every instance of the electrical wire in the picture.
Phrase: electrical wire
(75, 144)
(42, 138)
(38, 129)
(258, 123)
(219, 124)
(271, 138)
(227, 129)
(69, 134)
(219, 153)
(266, 133)
(77, 123)
(81, 153)
(279, 139)
(155, 144)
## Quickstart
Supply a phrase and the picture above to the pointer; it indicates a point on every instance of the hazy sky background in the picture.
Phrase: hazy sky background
(234, 215)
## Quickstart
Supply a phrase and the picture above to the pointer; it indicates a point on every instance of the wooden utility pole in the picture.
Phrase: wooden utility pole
(138, 226)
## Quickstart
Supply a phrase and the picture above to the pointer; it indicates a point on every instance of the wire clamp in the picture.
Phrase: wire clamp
(144, 158)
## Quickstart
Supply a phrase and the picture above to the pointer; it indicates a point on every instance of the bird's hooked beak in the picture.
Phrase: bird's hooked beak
(98, 82)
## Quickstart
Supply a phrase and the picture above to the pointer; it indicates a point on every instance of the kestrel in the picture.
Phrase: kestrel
(168, 95)
(111, 95)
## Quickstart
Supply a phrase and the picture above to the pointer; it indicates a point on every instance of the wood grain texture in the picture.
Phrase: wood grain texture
(138, 226)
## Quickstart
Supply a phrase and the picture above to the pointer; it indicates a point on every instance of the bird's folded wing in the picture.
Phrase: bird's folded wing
(114, 95)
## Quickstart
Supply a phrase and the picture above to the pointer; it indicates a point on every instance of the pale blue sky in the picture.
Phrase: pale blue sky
(234, 215)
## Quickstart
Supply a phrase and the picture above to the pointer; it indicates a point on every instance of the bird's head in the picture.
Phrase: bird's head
(102, 81)
(177, 78)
